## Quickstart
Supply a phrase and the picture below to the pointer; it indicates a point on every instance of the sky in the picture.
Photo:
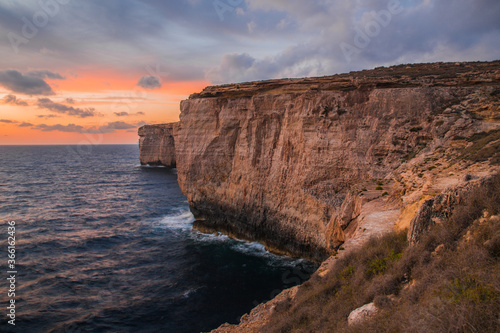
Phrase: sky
(93, 71)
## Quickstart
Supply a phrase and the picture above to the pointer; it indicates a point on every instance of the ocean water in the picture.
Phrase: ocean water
(105, 245)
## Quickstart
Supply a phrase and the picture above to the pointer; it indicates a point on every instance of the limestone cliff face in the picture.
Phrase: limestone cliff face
(286, 162)
(157, 145)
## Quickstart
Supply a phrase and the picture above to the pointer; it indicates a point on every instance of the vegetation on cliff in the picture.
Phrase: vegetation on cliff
(447, 282)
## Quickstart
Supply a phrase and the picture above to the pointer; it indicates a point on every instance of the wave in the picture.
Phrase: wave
(147, 166)
(259, 250)
(181, 219)
(254, 249)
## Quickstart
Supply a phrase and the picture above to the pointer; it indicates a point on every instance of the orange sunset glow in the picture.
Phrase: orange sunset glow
(114, 97)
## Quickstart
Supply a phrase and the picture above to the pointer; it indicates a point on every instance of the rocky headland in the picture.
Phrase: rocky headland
(310, 166)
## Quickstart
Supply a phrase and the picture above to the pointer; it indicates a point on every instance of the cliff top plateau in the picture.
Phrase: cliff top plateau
(410, 75)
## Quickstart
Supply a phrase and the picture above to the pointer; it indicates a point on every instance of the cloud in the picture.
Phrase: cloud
(46, 103)
(421, 31)
(15, 81)
(149, 82)
(70, 100)
(13, 100)
(24, 124)
(47, 116)
(294, 61)
(73, 128)
(119, 125)
(7, 121)
(45, 74)
(427, 30)
(126, 114)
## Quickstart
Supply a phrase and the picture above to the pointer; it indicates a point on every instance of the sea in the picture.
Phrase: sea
(103, 244)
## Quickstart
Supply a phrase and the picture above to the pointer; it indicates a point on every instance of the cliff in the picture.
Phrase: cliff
(304, 165)
(157, 145)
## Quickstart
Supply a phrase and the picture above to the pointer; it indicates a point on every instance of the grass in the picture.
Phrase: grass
(416, 288)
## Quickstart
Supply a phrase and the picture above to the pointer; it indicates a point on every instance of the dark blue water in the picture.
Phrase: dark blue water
(104, 245)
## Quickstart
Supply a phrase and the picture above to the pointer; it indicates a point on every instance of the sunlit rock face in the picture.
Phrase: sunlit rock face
(157, 145)
(284, 161)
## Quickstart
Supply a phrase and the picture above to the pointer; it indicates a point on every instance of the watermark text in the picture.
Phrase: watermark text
(11, 272)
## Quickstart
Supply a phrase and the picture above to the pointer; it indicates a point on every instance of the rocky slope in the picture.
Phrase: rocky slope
(304, 165)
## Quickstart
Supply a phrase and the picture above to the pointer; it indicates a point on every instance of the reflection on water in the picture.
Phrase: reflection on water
(105, 245)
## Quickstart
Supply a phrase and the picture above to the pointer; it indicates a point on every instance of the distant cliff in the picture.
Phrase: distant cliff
(303, 165)
(157, 145)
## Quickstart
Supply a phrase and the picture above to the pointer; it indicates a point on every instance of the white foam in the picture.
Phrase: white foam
(188, 293)
(182, 219)
(259, 250)
(250, 248)
(147, 166)
(212, 238)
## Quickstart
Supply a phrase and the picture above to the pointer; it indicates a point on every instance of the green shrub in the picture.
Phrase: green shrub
(468, 289)
(378, 266)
